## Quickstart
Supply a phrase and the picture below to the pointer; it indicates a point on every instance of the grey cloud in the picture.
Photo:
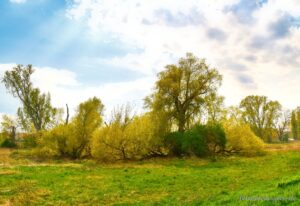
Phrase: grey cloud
(216, 34)
(250, 58)
(178, 19)
(245, 79)
(236, 66)
(260, 42)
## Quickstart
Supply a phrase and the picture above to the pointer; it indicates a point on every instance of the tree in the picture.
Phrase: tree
(294, 125)
(282, 123)
(261, 114)
(36, 107)
(181, 89)
(214, 107)
(9, 127)
(84, 124)
(233, 113)
(73, 139)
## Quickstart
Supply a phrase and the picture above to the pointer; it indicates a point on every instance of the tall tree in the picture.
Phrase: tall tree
(261, 114)
(36, 107)
(181, 89)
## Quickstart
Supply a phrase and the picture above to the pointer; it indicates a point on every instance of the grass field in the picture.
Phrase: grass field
(272, 179)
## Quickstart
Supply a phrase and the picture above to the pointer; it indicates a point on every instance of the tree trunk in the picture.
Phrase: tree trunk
(13, 134)
(67, 118)
(181, 123)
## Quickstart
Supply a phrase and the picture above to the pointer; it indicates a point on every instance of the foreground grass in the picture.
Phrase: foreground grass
(273, 179)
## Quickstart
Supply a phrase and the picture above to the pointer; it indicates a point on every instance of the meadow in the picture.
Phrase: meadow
(270, 179)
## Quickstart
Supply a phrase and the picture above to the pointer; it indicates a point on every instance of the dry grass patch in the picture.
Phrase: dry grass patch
(8, 172)
(292, 146)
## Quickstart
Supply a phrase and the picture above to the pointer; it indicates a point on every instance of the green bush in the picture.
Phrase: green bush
(174, 142)
(201, 140)
(2, 138)
(194, 141)
(215, 138)
(285, 137)
(7, 143)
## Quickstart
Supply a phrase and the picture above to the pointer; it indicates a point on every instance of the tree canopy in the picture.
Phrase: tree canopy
(181, 89)
(261, 114)
(36, 107)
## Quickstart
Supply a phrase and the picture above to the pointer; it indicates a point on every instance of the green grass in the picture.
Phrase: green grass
(228, 181)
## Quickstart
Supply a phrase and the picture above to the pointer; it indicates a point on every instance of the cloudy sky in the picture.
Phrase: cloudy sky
(113, 49)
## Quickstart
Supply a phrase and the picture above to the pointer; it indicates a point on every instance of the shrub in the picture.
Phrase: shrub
(73, 140)
(30, 140)
(194, 141)
(215, 138)
(241, 139)
(53, 143)
(174, 142)
(7, 143)
(201, 140)
(3, 136)
(127, 138)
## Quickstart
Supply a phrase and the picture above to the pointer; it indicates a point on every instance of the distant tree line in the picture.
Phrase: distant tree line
(184, 115)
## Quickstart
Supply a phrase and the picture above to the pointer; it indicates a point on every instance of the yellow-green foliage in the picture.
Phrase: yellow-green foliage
(241, 138)
(74, 139)
(3, 136)
(127, 138)
(86, 121)
(53, 143)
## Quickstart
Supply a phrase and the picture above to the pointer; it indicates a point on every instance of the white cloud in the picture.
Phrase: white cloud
(251, 59)
(18, 1)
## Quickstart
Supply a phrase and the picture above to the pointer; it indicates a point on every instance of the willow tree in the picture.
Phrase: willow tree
(36, 107)
(261, 114)
(181, 89)
(87, 119)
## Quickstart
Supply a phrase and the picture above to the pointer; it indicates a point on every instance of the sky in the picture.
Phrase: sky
(113, 49)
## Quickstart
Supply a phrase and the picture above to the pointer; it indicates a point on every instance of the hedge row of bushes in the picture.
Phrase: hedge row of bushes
(136, 137)
(140, 139)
